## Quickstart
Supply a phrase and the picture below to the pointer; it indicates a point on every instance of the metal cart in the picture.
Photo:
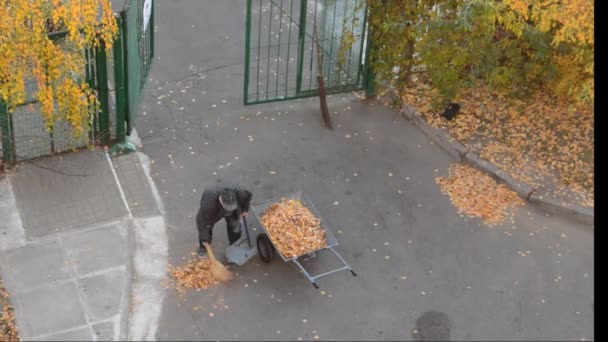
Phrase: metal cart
(266, 249)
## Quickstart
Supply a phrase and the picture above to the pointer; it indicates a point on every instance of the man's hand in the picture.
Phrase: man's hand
(245, 214)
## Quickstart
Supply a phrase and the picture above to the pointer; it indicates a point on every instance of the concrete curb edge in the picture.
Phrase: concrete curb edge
(461, 153)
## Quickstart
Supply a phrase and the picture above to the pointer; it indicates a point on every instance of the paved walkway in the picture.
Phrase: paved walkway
(86, 241)
(70, 246)
(424, 270)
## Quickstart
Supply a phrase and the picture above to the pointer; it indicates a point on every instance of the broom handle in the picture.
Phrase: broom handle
(247, 230)
(209, 251)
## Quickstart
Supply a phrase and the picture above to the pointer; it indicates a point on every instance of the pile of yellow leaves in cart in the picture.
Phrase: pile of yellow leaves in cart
(293, 229)
(476, 194)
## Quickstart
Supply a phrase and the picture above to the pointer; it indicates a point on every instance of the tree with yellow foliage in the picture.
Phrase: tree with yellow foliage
(28, 53)
(514, 45)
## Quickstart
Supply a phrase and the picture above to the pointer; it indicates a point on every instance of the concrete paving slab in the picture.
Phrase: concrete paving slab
(135, 186)
(97, 249)
(104, 331)
(49, 192)
(12, 234)
(49, 309)
(33, 265)
(81, 334)
(103, 294)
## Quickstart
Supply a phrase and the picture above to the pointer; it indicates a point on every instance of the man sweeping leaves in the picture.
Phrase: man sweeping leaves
(221, 201)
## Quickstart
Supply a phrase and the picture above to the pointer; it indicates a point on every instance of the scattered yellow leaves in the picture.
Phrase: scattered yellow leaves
(8, 328)
(541, 140)
(477, 194)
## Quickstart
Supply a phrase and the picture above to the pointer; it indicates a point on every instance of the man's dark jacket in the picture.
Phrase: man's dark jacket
(212, 211)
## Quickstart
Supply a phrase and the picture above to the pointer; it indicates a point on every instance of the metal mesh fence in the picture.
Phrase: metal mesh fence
(281, 50)
(24, 134)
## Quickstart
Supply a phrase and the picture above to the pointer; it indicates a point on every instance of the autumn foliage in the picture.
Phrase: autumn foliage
(28, 54)
(517, 46)
(522, 71)
(8, 328)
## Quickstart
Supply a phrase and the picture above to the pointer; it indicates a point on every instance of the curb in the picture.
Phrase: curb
(461, 153)
(555, 206)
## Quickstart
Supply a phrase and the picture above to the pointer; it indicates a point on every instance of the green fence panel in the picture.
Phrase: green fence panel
(119, 80)
(5, 135)
(102, 95)
(281, 51)
(138, 50)
(23, 134)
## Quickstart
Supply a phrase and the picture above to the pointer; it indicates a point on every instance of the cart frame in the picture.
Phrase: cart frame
(259, 209)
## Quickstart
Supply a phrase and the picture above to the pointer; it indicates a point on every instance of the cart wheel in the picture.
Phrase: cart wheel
(315, 285)
(353, 273)
(265, 248)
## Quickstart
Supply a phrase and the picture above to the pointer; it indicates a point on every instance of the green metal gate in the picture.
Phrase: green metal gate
(136, 43)
(281, 48)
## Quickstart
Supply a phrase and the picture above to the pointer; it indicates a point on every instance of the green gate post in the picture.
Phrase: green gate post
(247, 52)
(102, 92)
(151, 31)
(370, 76)
(122, 145)
(5, 132)
(301, 41)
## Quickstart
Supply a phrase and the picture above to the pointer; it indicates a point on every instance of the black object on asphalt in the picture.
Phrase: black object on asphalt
(451, 110)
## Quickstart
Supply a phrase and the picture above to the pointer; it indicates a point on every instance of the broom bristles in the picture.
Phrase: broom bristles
(218, 270)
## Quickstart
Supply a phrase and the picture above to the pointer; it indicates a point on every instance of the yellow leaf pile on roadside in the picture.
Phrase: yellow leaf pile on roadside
(538, 140)
(478, 195)
(293, 229)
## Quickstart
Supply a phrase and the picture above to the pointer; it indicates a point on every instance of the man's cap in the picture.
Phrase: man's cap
(228, 200)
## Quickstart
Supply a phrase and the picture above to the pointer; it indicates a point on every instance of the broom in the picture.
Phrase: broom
(218, 270)
(322, 95)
